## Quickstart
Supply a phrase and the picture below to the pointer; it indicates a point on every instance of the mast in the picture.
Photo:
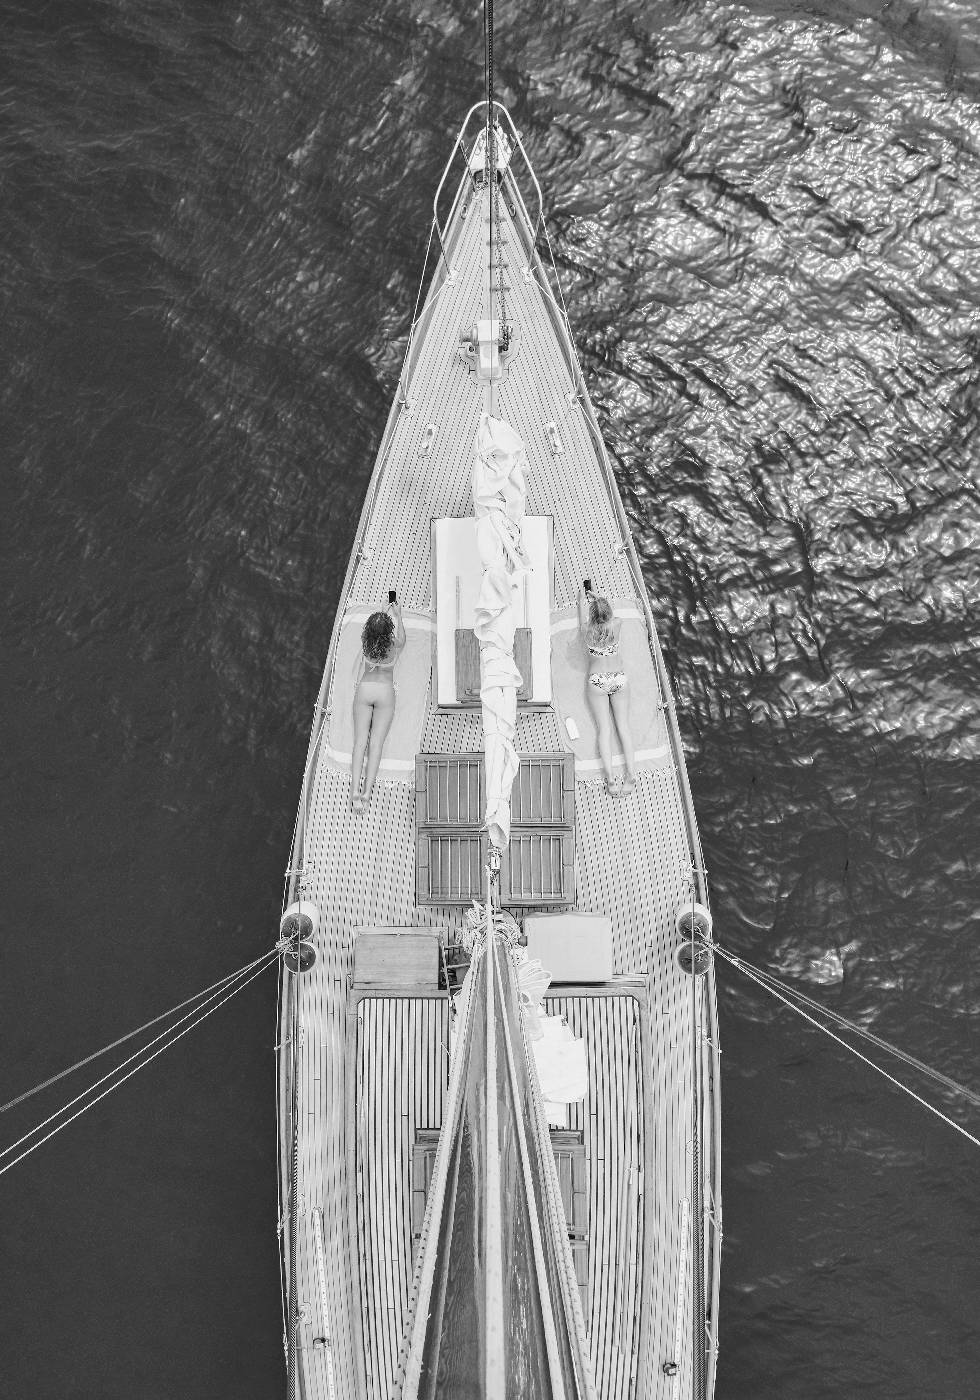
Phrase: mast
(491, 173)
(495, 1307)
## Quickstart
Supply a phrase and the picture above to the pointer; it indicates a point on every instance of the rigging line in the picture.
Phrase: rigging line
(80, 1064)
(415, 309)
(736, 962)
(877, 1040)
(935, 1074)
(554, 265)
(427, 308)
(35, 1145)
(4, 1152)
(862, 1031)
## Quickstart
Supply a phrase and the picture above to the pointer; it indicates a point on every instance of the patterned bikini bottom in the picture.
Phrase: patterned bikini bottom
(609, 682)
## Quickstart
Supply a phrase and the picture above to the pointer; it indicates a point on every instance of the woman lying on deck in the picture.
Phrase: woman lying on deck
(606, 688)
(374, 699)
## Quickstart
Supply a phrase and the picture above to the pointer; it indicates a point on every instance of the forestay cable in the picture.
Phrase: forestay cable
(784, 993)
(236, 983)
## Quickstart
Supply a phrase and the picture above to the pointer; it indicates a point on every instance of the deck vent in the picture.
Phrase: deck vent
(538, 869)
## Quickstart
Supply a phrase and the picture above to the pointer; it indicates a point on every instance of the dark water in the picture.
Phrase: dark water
(211, 226)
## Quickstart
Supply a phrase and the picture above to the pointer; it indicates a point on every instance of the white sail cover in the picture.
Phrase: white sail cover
(499, 460)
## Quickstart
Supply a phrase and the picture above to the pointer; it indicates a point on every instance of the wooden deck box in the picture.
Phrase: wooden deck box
(572, 947)
(391, 957)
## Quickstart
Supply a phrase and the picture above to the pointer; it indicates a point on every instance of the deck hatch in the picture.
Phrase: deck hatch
(539, 867)
(570, 1160)
(451, 848)
(468, 665)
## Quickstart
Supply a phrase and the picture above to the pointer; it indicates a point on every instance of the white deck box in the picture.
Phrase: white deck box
(572, 947)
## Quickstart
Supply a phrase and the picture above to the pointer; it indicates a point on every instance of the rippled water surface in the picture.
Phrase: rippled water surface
(212, 223)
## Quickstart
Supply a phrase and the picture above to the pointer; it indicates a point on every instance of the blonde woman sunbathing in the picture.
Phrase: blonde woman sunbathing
(607, 685)
(382, 640)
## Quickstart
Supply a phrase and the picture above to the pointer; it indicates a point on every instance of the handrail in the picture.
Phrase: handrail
(499, 106)
(452, 156)
(435, 198)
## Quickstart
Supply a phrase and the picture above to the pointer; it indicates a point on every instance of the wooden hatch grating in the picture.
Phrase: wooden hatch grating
(538, 868)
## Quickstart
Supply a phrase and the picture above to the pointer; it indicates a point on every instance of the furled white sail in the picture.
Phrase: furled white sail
(499, 461)
(559, 1055)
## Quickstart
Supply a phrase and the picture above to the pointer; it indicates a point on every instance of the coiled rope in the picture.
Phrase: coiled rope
(797, 1001)
(213, 997)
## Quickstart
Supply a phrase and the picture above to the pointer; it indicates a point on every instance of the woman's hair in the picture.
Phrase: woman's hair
(600, 631)
(377, 636)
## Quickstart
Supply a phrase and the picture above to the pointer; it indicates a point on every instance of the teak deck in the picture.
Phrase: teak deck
(374, 1065)
(398, 1046)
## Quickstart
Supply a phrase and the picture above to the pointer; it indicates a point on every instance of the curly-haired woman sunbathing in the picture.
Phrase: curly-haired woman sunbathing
(374, 699)
(607, 685)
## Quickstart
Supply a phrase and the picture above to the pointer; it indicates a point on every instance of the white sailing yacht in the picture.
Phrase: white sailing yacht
(498, 1106)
